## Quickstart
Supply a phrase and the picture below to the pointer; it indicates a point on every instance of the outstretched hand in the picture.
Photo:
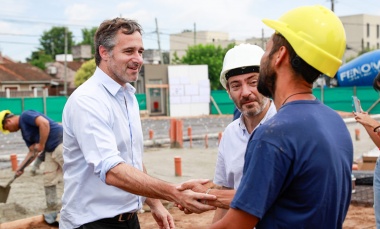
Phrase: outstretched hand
(191, 200)
(198, 186)
(364, 119)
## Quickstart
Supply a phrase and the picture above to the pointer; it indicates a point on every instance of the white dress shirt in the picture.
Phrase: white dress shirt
(231, 151)
(101, 128)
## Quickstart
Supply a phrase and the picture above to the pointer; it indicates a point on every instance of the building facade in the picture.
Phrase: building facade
(180, 42)
(362, 33)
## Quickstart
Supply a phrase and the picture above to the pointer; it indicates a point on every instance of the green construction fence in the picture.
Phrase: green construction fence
(338, 98)
(52, 106)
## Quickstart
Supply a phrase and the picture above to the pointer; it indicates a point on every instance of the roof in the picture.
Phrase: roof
(73, 65)
(5, 59)
(19, 72)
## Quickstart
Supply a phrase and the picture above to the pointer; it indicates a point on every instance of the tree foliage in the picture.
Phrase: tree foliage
(53, 41)
(208, 54)
(88, 38)
(39, 58)
(85, 72)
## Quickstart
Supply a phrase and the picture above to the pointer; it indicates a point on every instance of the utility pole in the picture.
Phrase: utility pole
(159, 45)
(262, 39)
(65, 70)
(52, 48)
(332, 5)
(195, 34)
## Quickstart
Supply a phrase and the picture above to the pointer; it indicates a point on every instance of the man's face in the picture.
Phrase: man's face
(243, 91)
(267, 78)
(10, 125)
(125, 60)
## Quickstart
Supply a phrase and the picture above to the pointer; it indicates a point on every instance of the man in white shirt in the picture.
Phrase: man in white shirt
(105, 182)
(239, 77)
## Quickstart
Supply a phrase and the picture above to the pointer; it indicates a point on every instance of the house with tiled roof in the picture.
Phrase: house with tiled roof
(57, 71)
(21, 79)
(5, 59)
(63, 70)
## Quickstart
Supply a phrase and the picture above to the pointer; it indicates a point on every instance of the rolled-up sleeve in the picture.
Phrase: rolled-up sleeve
(95, 136)
(107, 164)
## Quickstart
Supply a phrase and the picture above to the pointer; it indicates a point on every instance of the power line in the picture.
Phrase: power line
(29, 21)
(15, 42)
(21, 35)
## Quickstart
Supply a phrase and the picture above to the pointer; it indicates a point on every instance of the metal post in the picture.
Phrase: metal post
(65, 70)
(158, 41)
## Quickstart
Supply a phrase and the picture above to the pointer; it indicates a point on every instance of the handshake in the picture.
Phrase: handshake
(213, 196)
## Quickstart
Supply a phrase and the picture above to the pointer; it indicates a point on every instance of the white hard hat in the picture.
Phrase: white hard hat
(239, 59)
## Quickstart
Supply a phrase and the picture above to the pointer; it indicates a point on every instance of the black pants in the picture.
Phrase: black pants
(125, 221)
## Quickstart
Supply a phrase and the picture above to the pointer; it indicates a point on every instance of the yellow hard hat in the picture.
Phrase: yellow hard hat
(316, 35)
(2, 116)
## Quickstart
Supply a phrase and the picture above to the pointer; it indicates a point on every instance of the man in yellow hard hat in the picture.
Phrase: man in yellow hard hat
(239, 76)
(40, 134)
(297, 171)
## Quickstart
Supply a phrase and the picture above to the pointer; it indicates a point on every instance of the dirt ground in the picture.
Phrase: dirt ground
(358, 217)
(26, 199)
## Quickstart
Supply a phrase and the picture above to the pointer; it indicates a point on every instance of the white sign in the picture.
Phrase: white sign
(189, 90)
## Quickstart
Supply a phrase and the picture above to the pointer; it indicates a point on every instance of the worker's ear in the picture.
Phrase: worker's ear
(281, 55)
(7, 121)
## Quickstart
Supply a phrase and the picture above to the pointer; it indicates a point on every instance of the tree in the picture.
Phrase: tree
(206, 54)
(85, 72)
(88, 38)
(53, 41)
(39, 58)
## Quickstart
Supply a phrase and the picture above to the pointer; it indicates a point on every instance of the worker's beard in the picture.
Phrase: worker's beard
(267, 80)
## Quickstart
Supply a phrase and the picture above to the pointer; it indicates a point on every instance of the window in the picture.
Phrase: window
(367, 29)
(37, 86)
(11, 88)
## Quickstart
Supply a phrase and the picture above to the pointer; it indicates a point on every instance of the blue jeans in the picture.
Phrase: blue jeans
(376, 192)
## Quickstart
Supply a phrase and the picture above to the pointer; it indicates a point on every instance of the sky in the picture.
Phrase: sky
(22, 22)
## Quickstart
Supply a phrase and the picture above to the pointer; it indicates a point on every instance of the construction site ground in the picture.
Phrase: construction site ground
(26, 200)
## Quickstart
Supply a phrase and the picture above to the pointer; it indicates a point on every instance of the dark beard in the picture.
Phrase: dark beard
(266, 84)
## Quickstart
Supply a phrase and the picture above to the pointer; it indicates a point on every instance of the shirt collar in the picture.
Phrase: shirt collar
(111, 85)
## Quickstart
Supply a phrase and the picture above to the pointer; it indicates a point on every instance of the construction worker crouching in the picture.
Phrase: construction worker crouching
(41, 135)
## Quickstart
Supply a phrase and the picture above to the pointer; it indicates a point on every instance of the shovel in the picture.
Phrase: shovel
(4, 190)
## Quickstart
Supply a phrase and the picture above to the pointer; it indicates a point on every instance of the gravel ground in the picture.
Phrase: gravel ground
(27, 199)
(12, 143)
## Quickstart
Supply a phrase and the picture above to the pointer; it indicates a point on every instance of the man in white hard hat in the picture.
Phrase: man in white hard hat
(297, 171)
(239, 76)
